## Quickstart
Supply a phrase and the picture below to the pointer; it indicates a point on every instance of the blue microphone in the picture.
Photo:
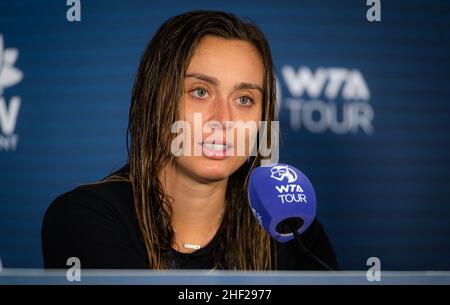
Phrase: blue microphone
(284, 202)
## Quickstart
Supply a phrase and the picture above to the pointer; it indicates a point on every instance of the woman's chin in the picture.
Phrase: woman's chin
(207, 170)
(213, 170)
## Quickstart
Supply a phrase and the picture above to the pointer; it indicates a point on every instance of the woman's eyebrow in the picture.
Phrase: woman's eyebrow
(206, 78)
(243, 86)
(214, 81)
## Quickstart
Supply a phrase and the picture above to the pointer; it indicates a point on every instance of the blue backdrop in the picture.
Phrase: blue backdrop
(364, 113)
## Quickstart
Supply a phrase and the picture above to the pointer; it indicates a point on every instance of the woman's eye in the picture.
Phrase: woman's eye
(245, 100)
(199, 92)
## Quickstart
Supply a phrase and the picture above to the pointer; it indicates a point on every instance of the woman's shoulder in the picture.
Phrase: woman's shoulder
(109, 195)
(96, 223)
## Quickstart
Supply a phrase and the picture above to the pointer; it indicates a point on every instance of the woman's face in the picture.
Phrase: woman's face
(223, 83)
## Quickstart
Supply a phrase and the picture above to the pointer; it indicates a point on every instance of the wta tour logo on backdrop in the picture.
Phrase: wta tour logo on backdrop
(328, 99)
(9, 76)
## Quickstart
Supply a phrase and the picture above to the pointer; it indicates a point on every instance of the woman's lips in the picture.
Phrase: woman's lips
(215, 150)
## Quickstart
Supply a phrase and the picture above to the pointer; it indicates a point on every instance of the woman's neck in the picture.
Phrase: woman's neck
(197, 207)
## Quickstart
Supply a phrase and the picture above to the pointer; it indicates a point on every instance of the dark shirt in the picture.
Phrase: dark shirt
(97, 224)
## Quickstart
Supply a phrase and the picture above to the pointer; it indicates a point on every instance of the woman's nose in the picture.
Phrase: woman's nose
(221, 112)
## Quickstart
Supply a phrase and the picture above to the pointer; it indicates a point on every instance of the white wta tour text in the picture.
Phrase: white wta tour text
(328, 99)
(9, 76)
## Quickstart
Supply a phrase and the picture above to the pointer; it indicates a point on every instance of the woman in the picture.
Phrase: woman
(163, 210)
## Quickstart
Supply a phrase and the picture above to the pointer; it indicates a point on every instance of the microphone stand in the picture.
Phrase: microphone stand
(293, 228)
